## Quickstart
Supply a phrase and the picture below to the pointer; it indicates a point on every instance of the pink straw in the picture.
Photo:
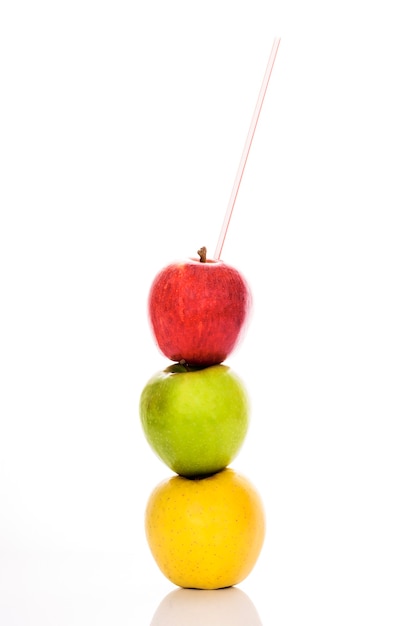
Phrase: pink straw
(246, 149)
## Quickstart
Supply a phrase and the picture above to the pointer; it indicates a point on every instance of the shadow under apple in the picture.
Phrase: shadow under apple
(220, 607)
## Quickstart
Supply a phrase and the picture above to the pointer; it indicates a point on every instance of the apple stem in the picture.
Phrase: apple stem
(246, 149)
(202, 253)
(182, 366)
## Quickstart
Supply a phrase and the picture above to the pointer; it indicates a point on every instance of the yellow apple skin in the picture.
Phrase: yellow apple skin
(205, 533)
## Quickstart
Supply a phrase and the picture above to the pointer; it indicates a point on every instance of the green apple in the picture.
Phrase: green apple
(195, 419)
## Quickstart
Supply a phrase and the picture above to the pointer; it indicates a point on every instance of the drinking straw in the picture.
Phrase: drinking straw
(246, 148)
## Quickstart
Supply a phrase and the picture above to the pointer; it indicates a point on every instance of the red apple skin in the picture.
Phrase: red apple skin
(198, 311)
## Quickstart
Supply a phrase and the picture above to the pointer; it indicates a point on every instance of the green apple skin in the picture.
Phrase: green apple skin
(195, 420)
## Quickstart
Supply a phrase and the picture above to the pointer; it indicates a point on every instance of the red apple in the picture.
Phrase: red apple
(198, 309)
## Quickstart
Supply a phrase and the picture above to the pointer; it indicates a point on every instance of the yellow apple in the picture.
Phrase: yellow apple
(205, 533)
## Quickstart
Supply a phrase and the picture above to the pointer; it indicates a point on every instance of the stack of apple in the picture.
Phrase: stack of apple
(205, 525)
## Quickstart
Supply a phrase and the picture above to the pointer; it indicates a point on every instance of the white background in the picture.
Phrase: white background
(121, 128)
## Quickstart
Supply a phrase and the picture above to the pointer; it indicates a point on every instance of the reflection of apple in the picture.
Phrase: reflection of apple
(198, 309)
(205, 533)
(221, 607)
(195, 419)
